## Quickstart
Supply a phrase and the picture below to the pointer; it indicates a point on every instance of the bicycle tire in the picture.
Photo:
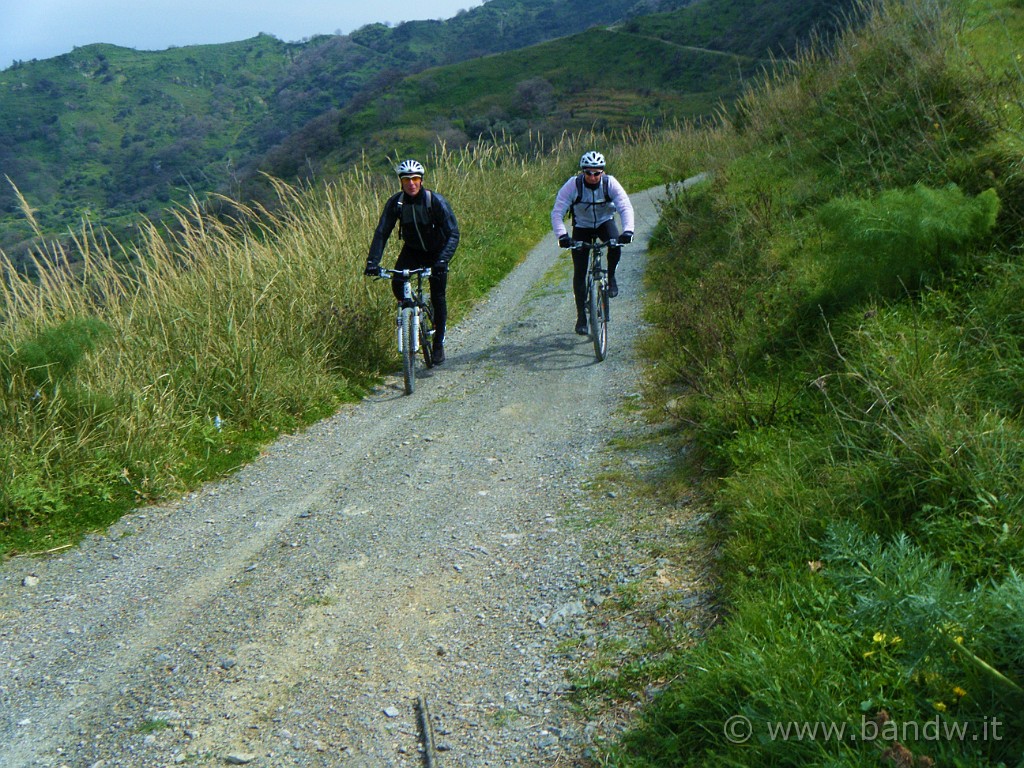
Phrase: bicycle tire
(427, 336)
(408, 350)
(598, 320)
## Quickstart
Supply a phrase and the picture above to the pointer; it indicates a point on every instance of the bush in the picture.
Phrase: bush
(51, 355)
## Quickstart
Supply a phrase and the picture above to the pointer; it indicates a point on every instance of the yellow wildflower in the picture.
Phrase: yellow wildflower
(940, 706)
(959, 692)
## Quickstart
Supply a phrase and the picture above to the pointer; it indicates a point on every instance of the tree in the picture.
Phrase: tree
(535, 96)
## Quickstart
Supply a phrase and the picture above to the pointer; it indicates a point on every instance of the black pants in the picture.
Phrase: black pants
(410, 258)
(581, 259)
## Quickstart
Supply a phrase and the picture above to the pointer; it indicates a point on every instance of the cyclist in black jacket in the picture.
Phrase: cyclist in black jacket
(430, 235)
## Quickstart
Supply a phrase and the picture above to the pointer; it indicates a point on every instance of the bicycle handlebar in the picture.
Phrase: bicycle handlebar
(386, 273)
(612, 243)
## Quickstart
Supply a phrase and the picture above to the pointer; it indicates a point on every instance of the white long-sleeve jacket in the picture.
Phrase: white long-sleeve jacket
(593, 209)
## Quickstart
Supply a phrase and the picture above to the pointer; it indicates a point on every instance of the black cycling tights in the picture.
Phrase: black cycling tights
(581, 259)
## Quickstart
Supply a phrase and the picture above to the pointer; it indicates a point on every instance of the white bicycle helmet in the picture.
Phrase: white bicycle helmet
(592, 160)
(409, 168)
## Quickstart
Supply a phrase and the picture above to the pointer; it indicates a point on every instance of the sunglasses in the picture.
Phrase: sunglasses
(593, 173)
(413, 178)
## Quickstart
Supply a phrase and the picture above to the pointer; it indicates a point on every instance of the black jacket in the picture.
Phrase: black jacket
(430, 229)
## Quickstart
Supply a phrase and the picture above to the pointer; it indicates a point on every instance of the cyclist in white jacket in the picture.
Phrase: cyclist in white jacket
(593, 197)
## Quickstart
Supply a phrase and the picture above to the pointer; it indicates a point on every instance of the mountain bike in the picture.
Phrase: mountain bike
(597, 294)
(414, 322)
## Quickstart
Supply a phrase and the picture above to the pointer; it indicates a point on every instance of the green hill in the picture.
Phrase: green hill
(584, 81)
(110, 133)
(118, 136)
(653, 69)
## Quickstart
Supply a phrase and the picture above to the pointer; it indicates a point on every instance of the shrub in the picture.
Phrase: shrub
(51, 355)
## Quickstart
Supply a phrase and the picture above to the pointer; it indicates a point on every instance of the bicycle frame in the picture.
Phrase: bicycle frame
(413, 322)
(406, 275)
(596, 270)
(597, 294)
(410, 297)
(596, 273)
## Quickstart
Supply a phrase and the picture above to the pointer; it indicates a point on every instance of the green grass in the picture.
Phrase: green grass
(153, 726)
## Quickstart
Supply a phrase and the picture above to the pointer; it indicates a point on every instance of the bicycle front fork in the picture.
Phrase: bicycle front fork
(400, 328)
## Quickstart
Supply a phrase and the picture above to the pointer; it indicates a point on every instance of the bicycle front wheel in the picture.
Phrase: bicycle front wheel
(599, 319)
(409, 349)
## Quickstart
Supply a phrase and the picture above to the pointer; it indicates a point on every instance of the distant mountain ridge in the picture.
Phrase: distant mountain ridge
(111, 133)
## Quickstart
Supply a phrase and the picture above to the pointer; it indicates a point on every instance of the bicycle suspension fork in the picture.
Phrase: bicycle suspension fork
(408, 302)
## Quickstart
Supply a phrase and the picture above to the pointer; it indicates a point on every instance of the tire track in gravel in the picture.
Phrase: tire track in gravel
(407, 546)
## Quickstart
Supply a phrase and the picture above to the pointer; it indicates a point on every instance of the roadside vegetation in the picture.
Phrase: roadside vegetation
(836, 323)
(838, 316)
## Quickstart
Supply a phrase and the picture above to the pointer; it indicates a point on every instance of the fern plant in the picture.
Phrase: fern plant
(946, 629)
(899, 239)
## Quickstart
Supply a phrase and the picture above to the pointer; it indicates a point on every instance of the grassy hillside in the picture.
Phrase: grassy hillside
(109, 132)
(749, 28)
(548, 88)
(840, 348)
(690, 63)
(496, 26)
(118, 136)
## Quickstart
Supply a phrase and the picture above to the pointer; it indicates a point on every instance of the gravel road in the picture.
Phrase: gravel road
(443, 549)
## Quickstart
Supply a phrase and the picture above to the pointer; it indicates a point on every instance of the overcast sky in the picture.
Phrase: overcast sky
(40, 29)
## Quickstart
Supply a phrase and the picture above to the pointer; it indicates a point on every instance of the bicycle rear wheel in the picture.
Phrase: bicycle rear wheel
(427, 335)
(409, 349)
(599, 319)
